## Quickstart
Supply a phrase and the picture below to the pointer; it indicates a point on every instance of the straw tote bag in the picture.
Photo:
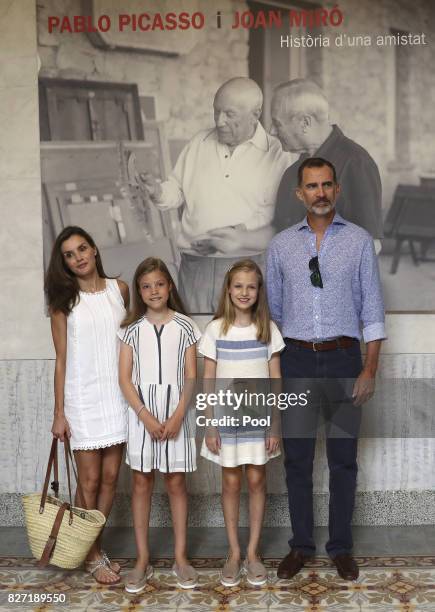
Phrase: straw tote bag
(58, 532)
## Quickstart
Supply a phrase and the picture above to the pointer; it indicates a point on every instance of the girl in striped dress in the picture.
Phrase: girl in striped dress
(157, 370)
(242, 342)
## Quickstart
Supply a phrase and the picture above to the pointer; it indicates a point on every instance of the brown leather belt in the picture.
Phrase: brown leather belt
(327, 345)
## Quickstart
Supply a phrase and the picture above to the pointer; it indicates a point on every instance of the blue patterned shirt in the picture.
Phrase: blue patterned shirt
(351, 297)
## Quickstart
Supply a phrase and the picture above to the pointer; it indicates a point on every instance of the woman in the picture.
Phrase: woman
(86, 308)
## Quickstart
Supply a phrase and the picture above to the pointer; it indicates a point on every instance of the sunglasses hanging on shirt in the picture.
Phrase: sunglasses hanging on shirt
(315, 276)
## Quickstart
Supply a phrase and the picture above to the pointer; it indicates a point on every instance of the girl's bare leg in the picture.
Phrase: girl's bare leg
(231, 486)
(256, 479)
(176, 487)
(143, 485)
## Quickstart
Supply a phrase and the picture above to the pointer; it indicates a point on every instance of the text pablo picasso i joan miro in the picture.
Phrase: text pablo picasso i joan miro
(145, 22)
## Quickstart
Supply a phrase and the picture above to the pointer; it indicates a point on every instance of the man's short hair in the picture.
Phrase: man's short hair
(315, 162)
(303, 97)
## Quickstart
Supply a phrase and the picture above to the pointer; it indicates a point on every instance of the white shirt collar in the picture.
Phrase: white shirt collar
(260, 139)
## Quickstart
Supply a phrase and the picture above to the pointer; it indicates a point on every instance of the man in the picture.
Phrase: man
(227, 179)
(300, 118)
(323, 284)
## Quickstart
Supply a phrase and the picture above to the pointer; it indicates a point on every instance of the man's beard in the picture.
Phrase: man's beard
(322, 208)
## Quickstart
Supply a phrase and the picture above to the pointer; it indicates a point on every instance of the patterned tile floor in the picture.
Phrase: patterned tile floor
(405, 584)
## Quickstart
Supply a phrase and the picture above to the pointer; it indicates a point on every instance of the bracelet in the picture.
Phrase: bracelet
(140, 410)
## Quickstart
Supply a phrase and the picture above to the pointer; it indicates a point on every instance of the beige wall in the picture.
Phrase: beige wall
(24, 331)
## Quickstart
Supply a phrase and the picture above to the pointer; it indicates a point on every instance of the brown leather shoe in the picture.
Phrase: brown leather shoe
(346, 567)
(291, 564)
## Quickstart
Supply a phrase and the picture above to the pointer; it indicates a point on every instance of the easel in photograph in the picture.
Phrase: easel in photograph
(97, 185)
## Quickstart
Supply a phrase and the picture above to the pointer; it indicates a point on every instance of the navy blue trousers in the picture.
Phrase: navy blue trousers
(327, 378)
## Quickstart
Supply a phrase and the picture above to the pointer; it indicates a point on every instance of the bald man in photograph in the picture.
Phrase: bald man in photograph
(226, 179)
(300, 119)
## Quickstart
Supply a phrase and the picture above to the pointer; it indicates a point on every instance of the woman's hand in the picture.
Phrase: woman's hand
(213, 440)
(272, 444)
(60, 427)
(172, 426)
(153, 427)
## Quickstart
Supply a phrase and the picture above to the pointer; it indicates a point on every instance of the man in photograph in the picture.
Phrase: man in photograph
(226, 179)
(323, 287)
(300, 119)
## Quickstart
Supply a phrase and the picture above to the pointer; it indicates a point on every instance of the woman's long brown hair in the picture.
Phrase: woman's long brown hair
(138, 308)
(260, 310)
(61, 286)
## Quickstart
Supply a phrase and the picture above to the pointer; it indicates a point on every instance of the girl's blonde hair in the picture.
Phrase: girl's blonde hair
(260, 310)
(138, 308)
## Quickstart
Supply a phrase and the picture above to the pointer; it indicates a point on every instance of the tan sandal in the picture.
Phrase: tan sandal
(187, 576)
(231, 573)
(92, 568)
(114, 566)
(136, 580)
(256, 573)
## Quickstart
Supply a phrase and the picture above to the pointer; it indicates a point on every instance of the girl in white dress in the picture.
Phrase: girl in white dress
(86, 308)
(241, 341)
(157, 370)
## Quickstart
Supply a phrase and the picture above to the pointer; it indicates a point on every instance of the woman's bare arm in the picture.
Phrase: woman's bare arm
(60, 426)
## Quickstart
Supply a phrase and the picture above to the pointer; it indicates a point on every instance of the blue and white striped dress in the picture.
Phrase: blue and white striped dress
(239, 355)
(158, 375)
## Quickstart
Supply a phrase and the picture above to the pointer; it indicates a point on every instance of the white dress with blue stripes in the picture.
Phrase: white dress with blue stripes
(158, 375)
(240, 355)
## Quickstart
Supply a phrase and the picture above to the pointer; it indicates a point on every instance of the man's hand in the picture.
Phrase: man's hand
(363, 388)
(203, 247)
(172, 426)
(213, 440)
(153, 187)
(272, 444)
(229, 239)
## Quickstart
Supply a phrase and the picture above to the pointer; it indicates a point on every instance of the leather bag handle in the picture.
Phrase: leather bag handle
(69, 457)
(51, 459)
(52, 538)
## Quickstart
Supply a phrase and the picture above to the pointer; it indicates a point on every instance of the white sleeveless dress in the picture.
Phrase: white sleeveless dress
(94, 405)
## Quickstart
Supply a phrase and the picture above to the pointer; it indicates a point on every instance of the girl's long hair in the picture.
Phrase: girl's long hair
(138, 308)
(260, 310)
(61, 286)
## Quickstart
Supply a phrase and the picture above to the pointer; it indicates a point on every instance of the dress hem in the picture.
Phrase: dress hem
(247, 461)
(161, 471)
(97, 445)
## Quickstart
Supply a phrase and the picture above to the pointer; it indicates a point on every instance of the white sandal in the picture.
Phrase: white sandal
(256, 573)
(187, 576)
(231, 573)
(136, 580)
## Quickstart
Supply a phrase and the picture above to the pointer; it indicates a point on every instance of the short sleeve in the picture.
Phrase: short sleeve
(207, 346)
(276, 344)
(193, 334)
(126, 335)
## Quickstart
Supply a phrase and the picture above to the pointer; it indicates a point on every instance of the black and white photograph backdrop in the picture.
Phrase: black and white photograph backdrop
(104, 96)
